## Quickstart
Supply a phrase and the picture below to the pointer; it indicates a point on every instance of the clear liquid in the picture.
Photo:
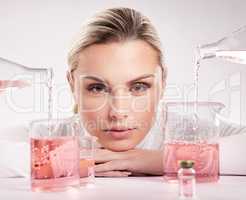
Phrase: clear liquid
(50, 99)
(196, 84)
(205, 156)
(54, 164)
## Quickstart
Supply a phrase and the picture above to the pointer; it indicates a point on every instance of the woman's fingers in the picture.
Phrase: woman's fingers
(112, 174)
(104, 155)
(111, 164)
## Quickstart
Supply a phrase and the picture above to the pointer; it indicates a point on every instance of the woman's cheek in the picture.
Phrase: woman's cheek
(141, 104)
(147, 118)
(93, 121)
(90, 104)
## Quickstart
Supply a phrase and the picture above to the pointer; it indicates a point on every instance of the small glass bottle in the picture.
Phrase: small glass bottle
(187, 181)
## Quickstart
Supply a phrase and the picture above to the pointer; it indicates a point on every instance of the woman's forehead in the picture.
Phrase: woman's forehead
(121, 61)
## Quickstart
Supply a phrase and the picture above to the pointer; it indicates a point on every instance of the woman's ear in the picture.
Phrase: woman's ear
(70, 80)
(163, 85)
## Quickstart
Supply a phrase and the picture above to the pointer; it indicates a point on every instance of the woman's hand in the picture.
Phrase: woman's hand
(131, 162)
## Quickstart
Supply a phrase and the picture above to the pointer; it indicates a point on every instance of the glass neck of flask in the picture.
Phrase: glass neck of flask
(206, 51)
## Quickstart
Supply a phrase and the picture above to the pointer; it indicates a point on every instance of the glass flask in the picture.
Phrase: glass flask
(231, 48)
(191, 133)
(23, 95)
(221, 75)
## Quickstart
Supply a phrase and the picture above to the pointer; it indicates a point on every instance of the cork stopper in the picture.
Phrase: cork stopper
(186, 164)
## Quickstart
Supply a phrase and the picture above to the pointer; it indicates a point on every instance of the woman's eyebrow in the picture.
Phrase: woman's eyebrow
(141, 77)
(95, 79)
(129, 82)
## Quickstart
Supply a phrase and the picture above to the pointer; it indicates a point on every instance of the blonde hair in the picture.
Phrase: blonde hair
(116, 25)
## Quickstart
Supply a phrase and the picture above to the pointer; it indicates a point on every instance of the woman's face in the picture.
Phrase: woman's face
(117, 88)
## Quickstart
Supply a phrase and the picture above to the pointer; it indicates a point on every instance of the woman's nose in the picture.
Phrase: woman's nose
(119, 107)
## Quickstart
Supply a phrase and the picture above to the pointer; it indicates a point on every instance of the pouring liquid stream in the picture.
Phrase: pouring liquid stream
(50, 99)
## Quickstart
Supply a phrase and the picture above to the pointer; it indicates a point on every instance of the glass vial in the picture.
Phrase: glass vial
(187, 181)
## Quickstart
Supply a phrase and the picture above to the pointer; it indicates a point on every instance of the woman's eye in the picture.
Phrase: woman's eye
(97, 88)
(139, 87)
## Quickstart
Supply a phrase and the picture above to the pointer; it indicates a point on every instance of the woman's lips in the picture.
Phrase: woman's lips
(119, 133)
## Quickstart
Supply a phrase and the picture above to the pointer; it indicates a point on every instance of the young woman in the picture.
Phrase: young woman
(117, 78)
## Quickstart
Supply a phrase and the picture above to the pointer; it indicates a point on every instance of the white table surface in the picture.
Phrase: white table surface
(144, 188)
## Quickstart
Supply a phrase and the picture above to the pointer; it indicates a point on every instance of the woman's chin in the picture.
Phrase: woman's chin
(122, 145)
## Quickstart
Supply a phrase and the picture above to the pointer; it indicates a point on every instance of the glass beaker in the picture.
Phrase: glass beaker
(54, 155)
(87, 145)
(191, 133)
(87, 160)
(23, 93)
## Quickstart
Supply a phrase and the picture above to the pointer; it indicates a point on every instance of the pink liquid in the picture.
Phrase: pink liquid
(206, 157)
(54, 163)
(187, 183)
